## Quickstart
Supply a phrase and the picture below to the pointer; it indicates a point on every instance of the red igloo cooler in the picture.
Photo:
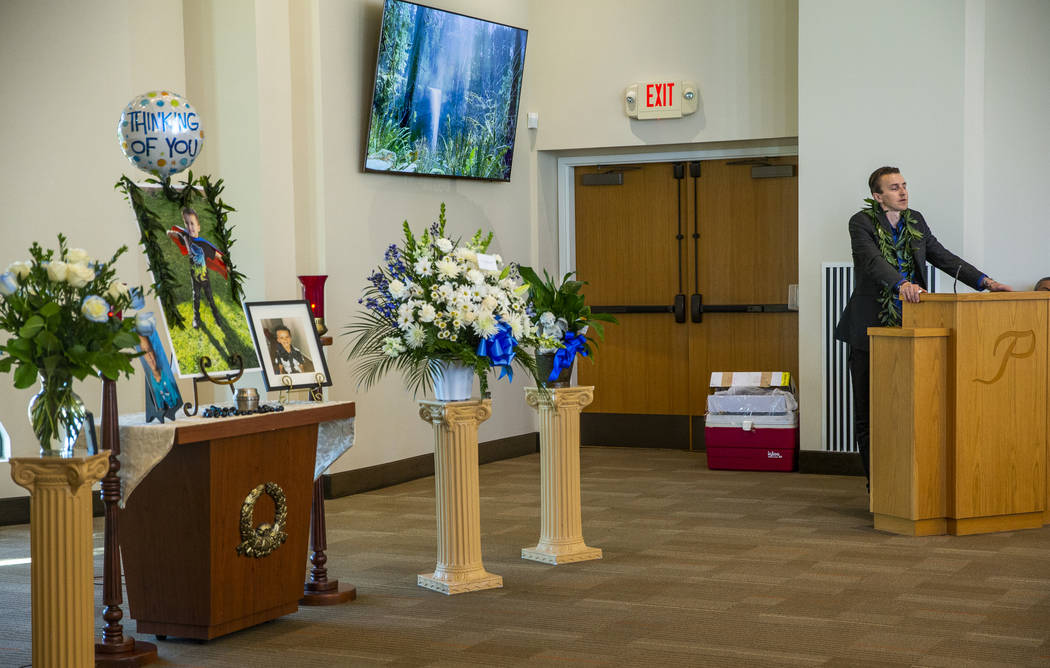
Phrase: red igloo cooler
(752, 422)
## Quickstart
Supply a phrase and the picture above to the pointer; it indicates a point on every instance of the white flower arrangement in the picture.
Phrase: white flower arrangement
(436, 300)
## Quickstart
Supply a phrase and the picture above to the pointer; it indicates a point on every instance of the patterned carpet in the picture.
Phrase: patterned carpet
(701, 568)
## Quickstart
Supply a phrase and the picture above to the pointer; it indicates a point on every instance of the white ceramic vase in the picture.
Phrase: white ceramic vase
(452, 381)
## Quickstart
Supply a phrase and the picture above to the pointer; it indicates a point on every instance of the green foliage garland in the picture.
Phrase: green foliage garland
(153, 234)
(890, 315)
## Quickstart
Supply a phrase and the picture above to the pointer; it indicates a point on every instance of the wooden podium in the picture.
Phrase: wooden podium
(194, 534)
(959, 415)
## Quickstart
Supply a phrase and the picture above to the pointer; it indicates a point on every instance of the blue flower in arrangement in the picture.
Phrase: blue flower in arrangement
(393, 262)
(438, 300)
(8, 283)
(137, 301)
(145, 323)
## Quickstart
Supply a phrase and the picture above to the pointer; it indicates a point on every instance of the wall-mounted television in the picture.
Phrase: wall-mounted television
(445, 101)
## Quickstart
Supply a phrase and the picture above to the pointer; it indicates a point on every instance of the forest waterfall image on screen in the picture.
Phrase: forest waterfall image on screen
(446, 94)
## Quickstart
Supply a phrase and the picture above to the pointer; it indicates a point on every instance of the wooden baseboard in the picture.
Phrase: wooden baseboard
(830, 463)
(15, 509)
(346, 483)
(635, 430)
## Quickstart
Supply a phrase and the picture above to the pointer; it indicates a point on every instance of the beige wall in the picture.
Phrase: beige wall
(954, 93)
(741, 53)
(66, 72)
(1016, 142)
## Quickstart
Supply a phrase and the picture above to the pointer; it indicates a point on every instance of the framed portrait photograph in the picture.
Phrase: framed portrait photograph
(287, 344)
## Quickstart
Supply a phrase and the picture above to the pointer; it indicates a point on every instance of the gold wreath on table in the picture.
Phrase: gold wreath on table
(260, 541)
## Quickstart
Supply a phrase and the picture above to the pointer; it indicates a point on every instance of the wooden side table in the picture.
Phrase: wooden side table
(459, 567)
(214, 537)
(561, 527)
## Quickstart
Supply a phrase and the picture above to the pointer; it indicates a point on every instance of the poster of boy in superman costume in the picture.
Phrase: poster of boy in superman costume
(203, 256)
(192, 275)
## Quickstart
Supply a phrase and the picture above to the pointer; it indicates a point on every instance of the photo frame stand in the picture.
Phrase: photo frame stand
(316, 391)
(155, 412)
(286, 392)
(227, 379)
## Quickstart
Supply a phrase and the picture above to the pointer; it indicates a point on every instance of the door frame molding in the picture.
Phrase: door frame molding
(567, 182)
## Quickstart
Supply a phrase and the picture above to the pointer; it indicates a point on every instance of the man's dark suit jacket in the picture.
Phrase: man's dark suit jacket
(873, 273)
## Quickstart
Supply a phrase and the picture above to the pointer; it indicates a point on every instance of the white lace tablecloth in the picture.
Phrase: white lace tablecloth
(143, 446)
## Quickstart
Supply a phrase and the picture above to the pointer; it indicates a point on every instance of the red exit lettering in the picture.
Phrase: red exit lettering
(659, 95)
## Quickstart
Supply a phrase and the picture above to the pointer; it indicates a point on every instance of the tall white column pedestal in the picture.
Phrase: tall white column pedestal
(561, 529)
(63, 595)
(459, 568)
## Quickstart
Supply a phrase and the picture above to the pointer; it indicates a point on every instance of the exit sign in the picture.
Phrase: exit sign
(660, 99)
(661, 96)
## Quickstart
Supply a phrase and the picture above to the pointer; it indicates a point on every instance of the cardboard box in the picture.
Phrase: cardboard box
(781, 379)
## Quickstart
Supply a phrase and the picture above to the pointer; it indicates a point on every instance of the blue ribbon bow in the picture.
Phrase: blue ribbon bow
(563, 357)
(500, 349)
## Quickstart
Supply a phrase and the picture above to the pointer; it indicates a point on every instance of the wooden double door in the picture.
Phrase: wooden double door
(695, 259)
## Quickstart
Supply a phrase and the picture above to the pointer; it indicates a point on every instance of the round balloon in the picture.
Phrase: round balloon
(160, 133)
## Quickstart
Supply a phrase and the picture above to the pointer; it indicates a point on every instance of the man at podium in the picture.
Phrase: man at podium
(891, 245)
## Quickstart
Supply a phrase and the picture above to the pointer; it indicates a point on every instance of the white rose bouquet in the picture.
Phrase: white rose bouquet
(434, 301)
(60, 312)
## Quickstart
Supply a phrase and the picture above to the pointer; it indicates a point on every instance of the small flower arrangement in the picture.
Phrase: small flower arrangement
(59, 310)
(436, 301)
(562, 318)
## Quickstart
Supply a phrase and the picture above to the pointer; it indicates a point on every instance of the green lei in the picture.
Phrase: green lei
(890, 315)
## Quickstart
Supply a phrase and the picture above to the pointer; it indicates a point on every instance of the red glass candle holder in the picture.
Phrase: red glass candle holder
(313, 291)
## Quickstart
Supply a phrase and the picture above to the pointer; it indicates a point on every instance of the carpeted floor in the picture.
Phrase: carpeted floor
(701, 568)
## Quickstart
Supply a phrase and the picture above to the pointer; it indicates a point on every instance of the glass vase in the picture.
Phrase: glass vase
(57, 415)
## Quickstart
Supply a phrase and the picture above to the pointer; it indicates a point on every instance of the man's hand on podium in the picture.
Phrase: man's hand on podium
(910, 292)
(995, 286)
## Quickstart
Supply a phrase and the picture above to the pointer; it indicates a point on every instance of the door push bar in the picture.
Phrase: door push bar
(697, 308)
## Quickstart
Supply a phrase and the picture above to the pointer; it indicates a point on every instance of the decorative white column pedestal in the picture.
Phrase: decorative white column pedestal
(63, 595)
(459, 568)
(561, 529)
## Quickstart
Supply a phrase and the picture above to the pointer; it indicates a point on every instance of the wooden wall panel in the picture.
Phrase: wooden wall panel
(641, 367)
